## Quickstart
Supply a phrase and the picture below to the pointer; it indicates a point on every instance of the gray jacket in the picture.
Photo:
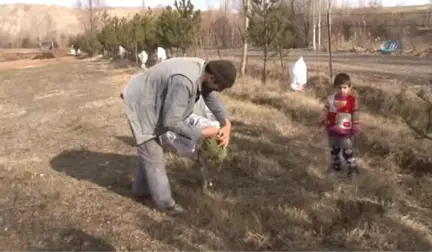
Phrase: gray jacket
(161, 98)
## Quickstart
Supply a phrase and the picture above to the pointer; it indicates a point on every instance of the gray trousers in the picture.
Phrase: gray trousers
(340, 142)
(151, 178)
(344, 145)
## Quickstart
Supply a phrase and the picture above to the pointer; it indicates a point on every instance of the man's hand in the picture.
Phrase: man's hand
(224, 135)
(209, 132)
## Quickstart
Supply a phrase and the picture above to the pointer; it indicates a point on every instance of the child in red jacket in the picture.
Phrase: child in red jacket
(340, 116)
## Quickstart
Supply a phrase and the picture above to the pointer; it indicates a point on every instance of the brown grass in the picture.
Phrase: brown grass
(67, 164)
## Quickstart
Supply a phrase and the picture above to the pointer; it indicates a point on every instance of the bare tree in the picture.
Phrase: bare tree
(329, 24)
(319, 24)
(419, 123)
(90, 14)
(50, 32)
(314, 25)
(245, 38)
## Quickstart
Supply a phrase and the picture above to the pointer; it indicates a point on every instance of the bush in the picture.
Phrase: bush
(174, 28)
(211, 152)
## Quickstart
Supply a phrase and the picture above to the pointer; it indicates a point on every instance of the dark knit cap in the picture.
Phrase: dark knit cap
(224, 72)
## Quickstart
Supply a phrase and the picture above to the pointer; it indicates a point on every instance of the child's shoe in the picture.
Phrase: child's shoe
(333, 170)
(352, 172)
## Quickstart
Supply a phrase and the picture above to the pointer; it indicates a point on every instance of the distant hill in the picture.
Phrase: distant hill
(18, 21)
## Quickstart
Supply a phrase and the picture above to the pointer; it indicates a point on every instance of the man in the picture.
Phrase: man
(160, 100)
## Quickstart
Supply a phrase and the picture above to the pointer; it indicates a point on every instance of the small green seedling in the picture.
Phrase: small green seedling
(210, 155)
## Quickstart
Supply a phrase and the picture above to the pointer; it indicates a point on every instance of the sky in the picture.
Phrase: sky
(201, 4)
(116, 3)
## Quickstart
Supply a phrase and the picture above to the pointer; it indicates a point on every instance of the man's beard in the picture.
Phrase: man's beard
(205, 87)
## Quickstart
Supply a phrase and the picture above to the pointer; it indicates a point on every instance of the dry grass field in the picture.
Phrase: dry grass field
(67, 162)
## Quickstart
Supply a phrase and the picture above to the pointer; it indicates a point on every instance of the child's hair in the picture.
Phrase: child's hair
(342, 79)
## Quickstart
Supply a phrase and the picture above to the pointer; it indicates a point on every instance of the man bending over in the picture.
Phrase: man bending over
(160, 100)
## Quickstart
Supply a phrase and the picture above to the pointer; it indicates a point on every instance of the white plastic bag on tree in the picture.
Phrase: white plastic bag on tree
(298, 74)
(143, 58)
(161, 54)
(184, 146)
(72, 50)
(122, 52)
(201, 118)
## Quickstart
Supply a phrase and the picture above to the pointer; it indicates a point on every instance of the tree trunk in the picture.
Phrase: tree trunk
(281, 58)
(314, 27)
(245, 39)
(217, 46)
(136, 53)
(319, 25)
(329, 23)
(264, 72)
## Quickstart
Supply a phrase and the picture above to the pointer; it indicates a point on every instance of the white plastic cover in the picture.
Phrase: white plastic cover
(184, 146)
(122, 52)
(161, 54)
(143, 58)
(298, 73)
(72, 51)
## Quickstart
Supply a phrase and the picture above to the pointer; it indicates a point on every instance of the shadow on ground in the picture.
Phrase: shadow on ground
(72, 240)
(263, 197)
(249, 181)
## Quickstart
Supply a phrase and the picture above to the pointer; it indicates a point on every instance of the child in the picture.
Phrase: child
(340, 116)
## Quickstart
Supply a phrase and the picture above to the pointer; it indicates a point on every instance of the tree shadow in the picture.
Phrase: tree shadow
(258, 193)
(72, 240)
(114, 172)
(259, 131)
(297, 113)
(259, 179)
(420, 79)
(128, 140)
(320, 85)
(355, 213)
(239, 176)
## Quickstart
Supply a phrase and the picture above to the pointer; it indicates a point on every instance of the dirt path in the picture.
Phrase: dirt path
(410, 69)
(28, 63)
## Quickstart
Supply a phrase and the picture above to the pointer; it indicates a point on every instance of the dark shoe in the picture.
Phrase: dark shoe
(333, 170)
(353, 172)
(174, 210)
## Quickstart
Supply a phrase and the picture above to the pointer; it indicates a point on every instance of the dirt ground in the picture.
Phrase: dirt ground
(68, 160)
(12, 58)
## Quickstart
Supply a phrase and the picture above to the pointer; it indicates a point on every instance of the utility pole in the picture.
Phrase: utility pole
(319, 24)
(314, 27)
(329, 23)
(246, 6)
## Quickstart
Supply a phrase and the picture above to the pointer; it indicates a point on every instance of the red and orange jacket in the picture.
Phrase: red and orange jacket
(340, 115)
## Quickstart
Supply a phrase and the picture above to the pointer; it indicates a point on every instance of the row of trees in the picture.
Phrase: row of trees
(173, 28)
(271, 26)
